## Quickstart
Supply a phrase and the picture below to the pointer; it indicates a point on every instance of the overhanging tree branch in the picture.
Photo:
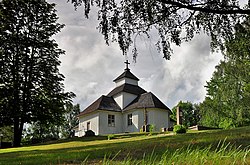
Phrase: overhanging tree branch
(170, 18)
(229, 9)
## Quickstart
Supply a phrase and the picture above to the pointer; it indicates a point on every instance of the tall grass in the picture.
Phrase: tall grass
(224, 153)
(195, 147)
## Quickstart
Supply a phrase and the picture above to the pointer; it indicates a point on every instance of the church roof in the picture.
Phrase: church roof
(126, 74)
(103, 103)
(129, 88)
(146, 100)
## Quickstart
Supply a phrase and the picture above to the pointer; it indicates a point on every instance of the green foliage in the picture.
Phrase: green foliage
(190, 113)
(111, 136)
(71, 120)
(31, 87)
(151, 128)
(40, 132)
(174, 21)
(226, 123)
(7, 133)
(141, 130)
(210, 113)
(43, 131)
(227, 103)
(180, 129)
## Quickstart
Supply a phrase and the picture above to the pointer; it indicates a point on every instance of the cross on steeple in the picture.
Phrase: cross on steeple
(127, 63)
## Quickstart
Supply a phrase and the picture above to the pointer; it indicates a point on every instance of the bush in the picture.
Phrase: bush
(151, 128)
(141, 130)
(180, 129)
(89, 133)
(111, 136)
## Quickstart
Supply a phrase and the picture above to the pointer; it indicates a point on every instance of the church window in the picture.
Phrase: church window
(129, 119)
(111, 120)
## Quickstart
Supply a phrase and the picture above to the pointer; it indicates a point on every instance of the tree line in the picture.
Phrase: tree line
(227, 102)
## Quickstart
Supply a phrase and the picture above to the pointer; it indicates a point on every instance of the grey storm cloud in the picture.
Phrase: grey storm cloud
(90, 66)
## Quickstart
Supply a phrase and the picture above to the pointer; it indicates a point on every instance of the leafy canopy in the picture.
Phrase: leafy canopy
(31, 87)
(174, 21)
(190, 113)
(228, 92)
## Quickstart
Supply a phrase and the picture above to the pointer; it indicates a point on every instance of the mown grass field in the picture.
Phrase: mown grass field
(195, 147)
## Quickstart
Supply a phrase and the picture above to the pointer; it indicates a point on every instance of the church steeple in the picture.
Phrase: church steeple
(127, 88)
(126, 77)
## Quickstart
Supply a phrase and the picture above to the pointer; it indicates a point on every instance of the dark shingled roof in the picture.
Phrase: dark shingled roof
(147, 100)
(127, 74)
(129, 88)
(103, 103)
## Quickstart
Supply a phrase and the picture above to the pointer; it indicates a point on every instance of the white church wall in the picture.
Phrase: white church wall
(77, 134)
(127, 98)
(137, 121)
(127, 81)
(118, 99)
(140, 118)
(124, 98)
(159, 118)
(120, 82)
(92, 119)
(131, 81)
(104, 128)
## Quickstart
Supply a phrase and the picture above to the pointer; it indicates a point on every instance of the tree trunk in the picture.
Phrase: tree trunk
(18, 128)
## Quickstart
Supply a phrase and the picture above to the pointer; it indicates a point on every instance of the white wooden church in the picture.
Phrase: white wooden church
(127, 108)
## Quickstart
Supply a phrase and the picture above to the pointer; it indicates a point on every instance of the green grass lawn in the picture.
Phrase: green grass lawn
(195, 147)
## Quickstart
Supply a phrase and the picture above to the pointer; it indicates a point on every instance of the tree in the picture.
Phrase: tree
(7, 133)
(175, 21)
(42, 131)
(71, 120)
(228, 91)
(31, 87)
(190, 115)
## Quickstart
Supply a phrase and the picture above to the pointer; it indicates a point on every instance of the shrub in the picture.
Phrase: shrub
(226, 124)
(151, 128)
(89, 133)
(111, 136)
(180, 129)
(141, 130)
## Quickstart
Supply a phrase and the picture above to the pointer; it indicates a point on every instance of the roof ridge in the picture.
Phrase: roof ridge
(151, 102)
(102, 103)
(128, 88)
(126, 74)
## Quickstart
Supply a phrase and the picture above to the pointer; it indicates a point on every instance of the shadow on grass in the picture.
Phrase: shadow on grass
(134, 149)
(82, 139)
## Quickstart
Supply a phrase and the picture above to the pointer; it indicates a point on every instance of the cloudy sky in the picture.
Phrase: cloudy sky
(90, 66)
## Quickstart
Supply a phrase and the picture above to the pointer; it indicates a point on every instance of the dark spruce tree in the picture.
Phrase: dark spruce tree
(31, 87)
(175, 21)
